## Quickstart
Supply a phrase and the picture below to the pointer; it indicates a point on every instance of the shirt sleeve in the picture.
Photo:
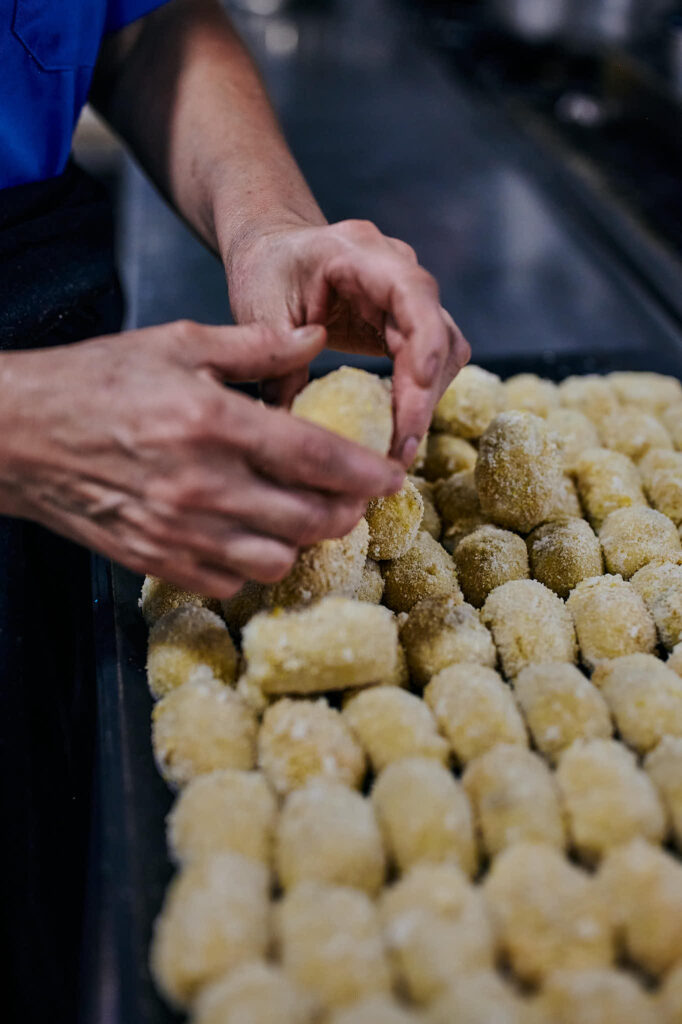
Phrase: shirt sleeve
(122, 12)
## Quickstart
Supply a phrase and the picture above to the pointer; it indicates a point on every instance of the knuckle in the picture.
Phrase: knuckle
(200, 415)
(185, 331)
(360, 230)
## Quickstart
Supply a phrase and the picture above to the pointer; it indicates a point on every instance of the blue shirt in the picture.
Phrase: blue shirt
(48, 50)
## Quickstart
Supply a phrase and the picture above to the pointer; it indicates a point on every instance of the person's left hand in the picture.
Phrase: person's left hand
(370, 293)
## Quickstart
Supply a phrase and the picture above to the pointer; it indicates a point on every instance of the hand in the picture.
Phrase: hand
(372, 296)
(131, 445)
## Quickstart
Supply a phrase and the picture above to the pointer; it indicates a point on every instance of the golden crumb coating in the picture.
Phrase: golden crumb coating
(643, 886)
(633, 537)
(590, 394)
(426, 570)
(663, 765)
(518, 472)
(515, 799)
(394, 521)
(329, 645)
(608, 800)
(560, 705)
(223, 811)
(424, 815)
(566, 503)
(202, 726)
(371, 587)
(301, 739)
(457, 502)
(486, 559)
(530, 625)
(328, 833)
(430, 518)
(549, 914)
(574, 433)
(255, 993)
(633, 433)
(440, 631)
(391, 723)
(417, 466)
(446, 455)
(564, 552)
(599, 996)
(645, 698)
(352, 403)
(607, 481)
(675, 660)
(610, 619)
(649, 392)
(159, 597)
(215, 916)
(475, 709)
(526, 392)
(375, 1010)
(328, 567)
(671, 418)
(661, 473)
(471, 401)
(660, 587)
(329, 942)
(182, 640)
(481, 997)
(670, 997)
(242, 606)
(436, 927)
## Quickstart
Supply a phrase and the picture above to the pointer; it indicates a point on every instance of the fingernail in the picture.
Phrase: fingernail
(311, 332)
(409, 451)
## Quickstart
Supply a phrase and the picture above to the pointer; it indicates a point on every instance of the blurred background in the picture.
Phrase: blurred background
(530, 151)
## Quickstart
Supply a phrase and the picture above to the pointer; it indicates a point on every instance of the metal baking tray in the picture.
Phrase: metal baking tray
(129, 868)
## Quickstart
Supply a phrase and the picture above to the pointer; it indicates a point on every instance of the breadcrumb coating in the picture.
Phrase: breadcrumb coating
(255, 993)
(471, 401)
(417, 466)
(371, 587)
(675, 660)
(223, 811)
(607, 481)
(670, 997)
(486, 559)
(457, 502)
(661, 473)
(671, 418)
(215, 916)
(610, 619)
(649, 392)
(560, 705)
(663, 765)
(645, 698)
(182, 640)
(352, 403)
(518, 472)
(549, 914)
(329, 567)
(574, 433)
(424, 815)
(302, 739)
(242, 606)
(475, 709)
(202, 726)
(426, 570)
(330, 645)
(328, 833)
(481, 997)
(391, 723)
(515, 799)
(643, 886)
(430, 519)
(597, 996)
(633, 433)
(564, 552)
(446, 455)
(633, 537)
(436, 927)
(660, 587)
(526, 392)
(375, 1010)
(591, 395)
(394, 521)
(440, 631)
(529, 624)
(566, 503)
(607, 799)
(158, 597)
(329, 942)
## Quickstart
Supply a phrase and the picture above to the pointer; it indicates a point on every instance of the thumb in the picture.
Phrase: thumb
(255, 351)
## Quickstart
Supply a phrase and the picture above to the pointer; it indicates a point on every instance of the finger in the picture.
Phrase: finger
(281, 391)
(251, 352)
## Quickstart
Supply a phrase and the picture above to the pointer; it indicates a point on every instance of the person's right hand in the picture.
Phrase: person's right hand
(130, 445)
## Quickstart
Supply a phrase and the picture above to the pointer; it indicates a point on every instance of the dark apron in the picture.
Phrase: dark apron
(57, 285)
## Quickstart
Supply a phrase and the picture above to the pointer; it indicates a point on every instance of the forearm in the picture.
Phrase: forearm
(182, 90)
